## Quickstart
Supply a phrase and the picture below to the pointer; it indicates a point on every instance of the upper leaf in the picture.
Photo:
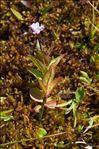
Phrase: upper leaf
(49, 76)
(38, 64)
(17, 14)
(79, 94)
(52, 85)
(85, 77)
(84, 74)
(36, 73)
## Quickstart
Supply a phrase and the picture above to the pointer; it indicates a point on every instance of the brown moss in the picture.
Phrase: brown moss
(65, 32)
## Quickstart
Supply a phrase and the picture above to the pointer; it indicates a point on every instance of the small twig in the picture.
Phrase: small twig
(93, 16)
(93, 6)
(95, 125)
(95, 27)
(31, 139)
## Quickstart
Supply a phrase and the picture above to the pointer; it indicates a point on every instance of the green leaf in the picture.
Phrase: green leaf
(44, 10)
(36, 73)
(6, 112)
(36, 94)
(2, 99)
(43, 87)
(79, 95)
(41, 67)
(88, 81)
(41, 132)
(74, 105)
(6, 118)
(17, 14)
(38, 45)
(97, 75)
(80, 129)
(84, 74)
(1, 82)
(85, 77)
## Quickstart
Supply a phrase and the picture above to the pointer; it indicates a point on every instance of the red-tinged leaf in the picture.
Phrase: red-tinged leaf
(26, 3)
(53, 84)
(51, 104)
(43, 87)
(52, 72)
(49, 76)
(37, 108)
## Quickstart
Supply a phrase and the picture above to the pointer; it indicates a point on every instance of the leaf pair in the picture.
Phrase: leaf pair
(79, 95)
(85, 78)
(4, 115)
(45, 74)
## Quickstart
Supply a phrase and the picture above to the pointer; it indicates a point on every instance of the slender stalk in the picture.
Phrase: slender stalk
(42, 108)
(93, 15)
(32, 139)
(87, 129)
(97, 29)
(93, 7)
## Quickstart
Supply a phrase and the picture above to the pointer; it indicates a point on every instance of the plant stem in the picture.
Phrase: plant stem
(93, 7)
(42, 108)
(93, 15)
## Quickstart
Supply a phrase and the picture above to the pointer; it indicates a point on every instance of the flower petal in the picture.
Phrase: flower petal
(36, 32)
(37, 28)
(37, 24)
(42, 27)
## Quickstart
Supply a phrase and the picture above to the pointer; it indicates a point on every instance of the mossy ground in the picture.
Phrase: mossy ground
(67, 30)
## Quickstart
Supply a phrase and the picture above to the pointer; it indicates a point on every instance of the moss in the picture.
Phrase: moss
(67, 30)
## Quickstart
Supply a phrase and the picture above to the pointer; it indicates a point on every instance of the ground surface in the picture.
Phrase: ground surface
(67, 31)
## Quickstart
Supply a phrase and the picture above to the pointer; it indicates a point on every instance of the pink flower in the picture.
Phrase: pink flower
(37, 28)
